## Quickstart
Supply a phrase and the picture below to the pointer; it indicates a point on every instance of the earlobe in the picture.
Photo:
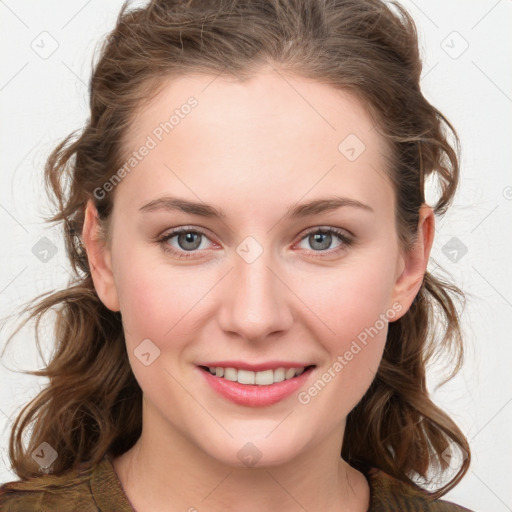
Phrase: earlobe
(99, 258)
(413, 264)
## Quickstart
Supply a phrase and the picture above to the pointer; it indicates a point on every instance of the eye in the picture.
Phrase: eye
(187, 240)
(321, 240)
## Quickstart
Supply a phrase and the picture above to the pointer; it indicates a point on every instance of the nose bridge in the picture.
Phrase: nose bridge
(256, 303)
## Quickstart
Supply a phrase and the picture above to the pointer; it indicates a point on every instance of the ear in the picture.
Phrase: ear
(100, 260)
(413, 264)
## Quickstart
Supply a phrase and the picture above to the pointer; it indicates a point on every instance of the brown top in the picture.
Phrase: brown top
(98, 489)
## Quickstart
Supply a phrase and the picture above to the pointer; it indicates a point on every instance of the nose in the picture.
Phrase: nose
(256, 300)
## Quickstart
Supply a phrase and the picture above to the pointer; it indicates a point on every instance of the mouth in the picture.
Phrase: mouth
(260, 387)
(258, 378)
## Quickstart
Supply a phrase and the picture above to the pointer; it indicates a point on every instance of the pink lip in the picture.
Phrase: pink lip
(254, 395)
(269, 365)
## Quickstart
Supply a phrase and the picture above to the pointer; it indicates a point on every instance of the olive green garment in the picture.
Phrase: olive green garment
(99, 489)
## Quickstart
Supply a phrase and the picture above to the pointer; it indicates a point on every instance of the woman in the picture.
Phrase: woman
(246, 215)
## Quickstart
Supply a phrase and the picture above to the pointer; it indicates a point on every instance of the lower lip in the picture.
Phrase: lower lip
(254, 395)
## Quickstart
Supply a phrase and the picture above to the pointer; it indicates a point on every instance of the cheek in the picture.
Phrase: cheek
(153, 297)
(157, 304)
(349, 299)
(354, 311)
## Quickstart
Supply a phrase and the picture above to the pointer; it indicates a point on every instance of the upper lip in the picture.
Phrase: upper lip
(269, 365)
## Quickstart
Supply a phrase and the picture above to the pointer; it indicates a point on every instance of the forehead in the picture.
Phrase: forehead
(271, 132)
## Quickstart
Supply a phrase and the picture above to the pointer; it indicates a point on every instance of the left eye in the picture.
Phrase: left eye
(321, 239)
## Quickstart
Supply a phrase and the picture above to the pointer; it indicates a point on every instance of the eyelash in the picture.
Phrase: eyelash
(346, 241)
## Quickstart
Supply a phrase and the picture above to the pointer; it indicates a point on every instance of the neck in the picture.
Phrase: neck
(175, 476)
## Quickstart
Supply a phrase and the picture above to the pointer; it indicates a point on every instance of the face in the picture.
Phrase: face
(250, 278)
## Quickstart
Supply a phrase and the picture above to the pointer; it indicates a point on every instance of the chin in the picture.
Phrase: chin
(243, 452)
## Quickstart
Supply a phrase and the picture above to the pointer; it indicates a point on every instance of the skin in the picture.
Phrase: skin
(252, 149)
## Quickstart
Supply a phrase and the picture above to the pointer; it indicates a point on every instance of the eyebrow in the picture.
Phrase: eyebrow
(314, 207)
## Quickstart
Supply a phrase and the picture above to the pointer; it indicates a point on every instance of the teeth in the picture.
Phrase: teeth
(263, 378)
(246, 377)
(230, 374)
(289, 373)
(279, 374)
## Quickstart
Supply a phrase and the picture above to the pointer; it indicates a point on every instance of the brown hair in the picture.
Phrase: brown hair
(92, 403)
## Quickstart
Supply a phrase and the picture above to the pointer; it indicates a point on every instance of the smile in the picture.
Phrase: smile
(261, 378)
(255, 388)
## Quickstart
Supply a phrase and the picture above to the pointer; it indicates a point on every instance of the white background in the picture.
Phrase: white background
(44, 99)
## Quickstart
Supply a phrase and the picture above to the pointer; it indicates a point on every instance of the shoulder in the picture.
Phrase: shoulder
(389, 494)
(87, 490)
(69, 491)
